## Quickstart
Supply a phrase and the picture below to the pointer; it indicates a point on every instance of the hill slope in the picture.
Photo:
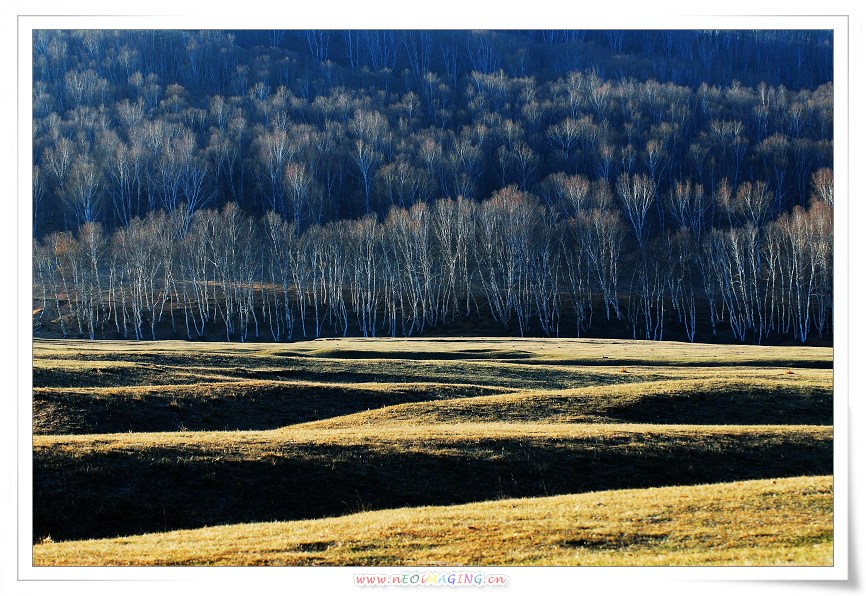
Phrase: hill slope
(764, 522)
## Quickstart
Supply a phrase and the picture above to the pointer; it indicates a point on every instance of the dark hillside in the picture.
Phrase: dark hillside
(293, 184)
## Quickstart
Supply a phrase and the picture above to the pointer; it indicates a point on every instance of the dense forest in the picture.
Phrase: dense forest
(276, 185)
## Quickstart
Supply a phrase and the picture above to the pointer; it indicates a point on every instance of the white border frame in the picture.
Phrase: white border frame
(33, 15)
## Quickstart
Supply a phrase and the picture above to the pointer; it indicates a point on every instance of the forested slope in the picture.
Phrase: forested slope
(277, 185)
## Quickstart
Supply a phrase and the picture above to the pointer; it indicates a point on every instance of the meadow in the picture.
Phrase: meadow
(451, 451)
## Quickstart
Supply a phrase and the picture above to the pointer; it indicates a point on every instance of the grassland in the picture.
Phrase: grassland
(761, 522)
(386, 451)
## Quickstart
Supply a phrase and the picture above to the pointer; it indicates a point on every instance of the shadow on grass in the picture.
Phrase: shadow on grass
(122, 492)
(747, 405)
(468, 354)
(239, 406)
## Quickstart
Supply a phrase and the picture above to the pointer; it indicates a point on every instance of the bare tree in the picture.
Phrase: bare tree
(637, 193)
(83, 195)
(273, 154)
(688, 206)
(39, 191)
(601, 236)
(822, 185)
(367, 160)
(366, 234)
(299, 185)
(753, 203)
(571, 193)
(371, 136)
(563, 137)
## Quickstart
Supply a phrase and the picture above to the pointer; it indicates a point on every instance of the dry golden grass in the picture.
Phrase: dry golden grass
(129, 483)
(139, 437)
(570, 350)
(718, 400)
(766, 522)
(185, 366)
(424, 437)
(222, 405)
(98, 387)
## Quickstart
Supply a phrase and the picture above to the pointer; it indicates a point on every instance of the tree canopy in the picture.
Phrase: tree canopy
(393, 182)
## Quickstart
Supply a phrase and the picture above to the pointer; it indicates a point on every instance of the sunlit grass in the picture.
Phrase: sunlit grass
(91, 387)
(129, 483)
(765, 522)
(138, 437)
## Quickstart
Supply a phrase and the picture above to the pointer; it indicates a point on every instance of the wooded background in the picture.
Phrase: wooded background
(276, 185)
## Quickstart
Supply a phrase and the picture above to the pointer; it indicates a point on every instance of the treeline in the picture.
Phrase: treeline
(528, 265)
(320, 126)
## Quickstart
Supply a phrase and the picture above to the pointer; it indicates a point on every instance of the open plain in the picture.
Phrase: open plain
(426, 451)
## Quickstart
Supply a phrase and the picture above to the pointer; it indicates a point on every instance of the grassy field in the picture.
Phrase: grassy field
(760, 522)
(362, 451)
